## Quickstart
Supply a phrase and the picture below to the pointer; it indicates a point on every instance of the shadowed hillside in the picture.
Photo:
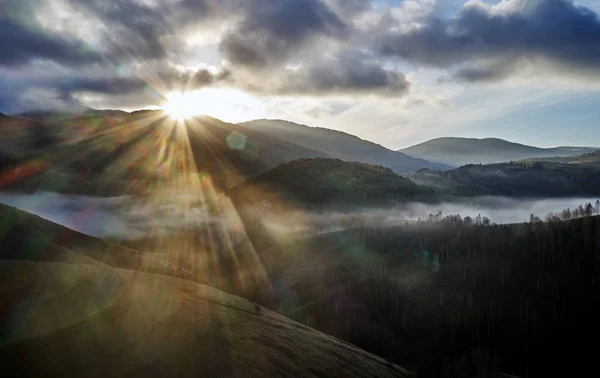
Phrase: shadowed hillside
(329, 183)
(66, 313)
(515, 179)
(591, 159)
(450, 298)
(113, 152)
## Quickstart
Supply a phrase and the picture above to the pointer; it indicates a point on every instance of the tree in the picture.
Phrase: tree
(589, 209)
(597, 207)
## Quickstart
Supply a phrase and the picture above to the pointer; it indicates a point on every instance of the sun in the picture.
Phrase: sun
(227, 104)
(181, 106)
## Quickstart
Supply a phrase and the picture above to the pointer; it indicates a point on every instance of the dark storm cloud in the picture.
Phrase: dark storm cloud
(486, 73)
(66, 89)
(133, 30)
(271, 30)
(20, 44)
(349, 72)
(557, 31)
(349, 8)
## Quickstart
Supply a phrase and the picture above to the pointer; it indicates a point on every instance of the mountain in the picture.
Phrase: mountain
(462, 151)
(340, 145)
(21, 136)
(326, 183)
(57, 116)
(591, 159)
(112, 153)
(64, 313)
(515, 179)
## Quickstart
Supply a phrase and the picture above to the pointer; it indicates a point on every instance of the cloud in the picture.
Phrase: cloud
(20, 44)
(132, 30)
(491, 72)
(98, 49)
(563, 35)
(349, 72)
(271, 30)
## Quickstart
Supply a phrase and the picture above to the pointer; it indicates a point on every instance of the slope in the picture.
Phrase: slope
(133, 153)
(515, 179)
(462, 151)
(73, 318)
(328, 183)
(591, 159)
(454, 299)
(336, 144)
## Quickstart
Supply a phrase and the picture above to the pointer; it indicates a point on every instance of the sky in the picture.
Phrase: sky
(394, 72)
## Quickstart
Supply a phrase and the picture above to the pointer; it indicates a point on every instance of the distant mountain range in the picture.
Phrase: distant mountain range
(109, 150)
(336, 144)
(109, 153)
(462, 151)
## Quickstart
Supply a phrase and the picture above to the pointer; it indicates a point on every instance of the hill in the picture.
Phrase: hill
(66, 315)
(591, 159)
(21, 136)
(515, 179)
(328, 183)
(462, 151)
(340, 145)
(132, 153)
(112, 153)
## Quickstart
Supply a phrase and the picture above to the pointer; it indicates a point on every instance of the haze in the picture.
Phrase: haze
(130, 218)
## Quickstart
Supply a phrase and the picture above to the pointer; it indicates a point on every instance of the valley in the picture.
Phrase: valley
(436, 270)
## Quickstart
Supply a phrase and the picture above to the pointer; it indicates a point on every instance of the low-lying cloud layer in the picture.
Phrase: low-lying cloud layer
(131, 218)
(126, 218)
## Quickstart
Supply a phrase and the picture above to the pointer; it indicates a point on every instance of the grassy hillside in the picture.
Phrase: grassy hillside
(462, 151)
(516, 179)
(64, 313)
(323, 183)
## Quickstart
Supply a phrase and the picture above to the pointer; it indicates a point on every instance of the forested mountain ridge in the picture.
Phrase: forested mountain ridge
(590, 159)
(329, 183)
(515, 179)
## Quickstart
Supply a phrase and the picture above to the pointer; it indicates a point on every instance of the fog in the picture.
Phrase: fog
(498, 209)
(117, 217)
(136, 218)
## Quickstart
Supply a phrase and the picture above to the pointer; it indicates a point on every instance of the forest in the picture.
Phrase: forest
(461, 297)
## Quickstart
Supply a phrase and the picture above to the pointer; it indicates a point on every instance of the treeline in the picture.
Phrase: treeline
(456, 219)
(586, 210)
